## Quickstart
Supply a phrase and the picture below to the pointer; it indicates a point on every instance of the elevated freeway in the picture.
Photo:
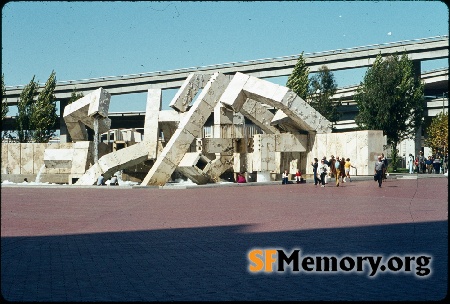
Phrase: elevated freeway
(418, 50)
(436, 83)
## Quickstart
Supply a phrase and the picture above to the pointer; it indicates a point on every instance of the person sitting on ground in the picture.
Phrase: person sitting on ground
(241, 178)
(298, 176)
(114, 181)
(101, 180)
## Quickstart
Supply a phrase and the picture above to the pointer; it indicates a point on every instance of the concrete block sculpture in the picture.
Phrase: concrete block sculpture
(192, 165)
(190, 87)
(190, 127)
(293, 133)
(299, 111)
(84, 111)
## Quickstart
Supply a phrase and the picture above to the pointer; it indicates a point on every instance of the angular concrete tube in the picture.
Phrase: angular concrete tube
(84, 111)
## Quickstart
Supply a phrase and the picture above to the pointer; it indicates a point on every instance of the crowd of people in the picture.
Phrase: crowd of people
(337, 168)
(435, 164)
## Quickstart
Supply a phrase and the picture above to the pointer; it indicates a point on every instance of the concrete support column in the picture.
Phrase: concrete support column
(418, 137)
(64, 134)
(417, 69)
(418, 142)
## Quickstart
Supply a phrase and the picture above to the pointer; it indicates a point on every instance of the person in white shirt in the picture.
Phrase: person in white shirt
(411, 163)
(285, 177)
(114, 181)
(323, 168)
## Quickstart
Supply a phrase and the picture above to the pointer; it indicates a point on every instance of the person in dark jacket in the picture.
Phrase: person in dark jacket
(315, 165)
(379, 166)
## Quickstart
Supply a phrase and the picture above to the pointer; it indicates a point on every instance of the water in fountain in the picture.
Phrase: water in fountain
(38, 176)
(96, 117)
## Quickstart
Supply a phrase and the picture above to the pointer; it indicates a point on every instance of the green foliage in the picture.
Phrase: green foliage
(4, 102)
(298, 80)
(395, 158)
(438, 132)
(390, 99)
(5, 107)
(75, 96)
(24, 111)
(321, 89)
(390, 169)
(43, 115)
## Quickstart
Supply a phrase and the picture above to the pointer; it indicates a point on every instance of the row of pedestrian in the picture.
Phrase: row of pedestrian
(433, 164)
(338, 167)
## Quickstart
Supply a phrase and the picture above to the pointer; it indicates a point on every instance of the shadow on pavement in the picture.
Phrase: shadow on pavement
(207, 264)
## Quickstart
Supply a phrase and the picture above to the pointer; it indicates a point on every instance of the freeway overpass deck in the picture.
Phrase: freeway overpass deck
(363, 56)
(436, 82)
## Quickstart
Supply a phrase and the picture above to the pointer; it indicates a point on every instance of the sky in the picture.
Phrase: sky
(81, 40)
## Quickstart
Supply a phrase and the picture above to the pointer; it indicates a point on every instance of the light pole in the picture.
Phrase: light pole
(443, 102)
(444, 164)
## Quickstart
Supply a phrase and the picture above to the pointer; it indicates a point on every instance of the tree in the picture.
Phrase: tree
(438, 133)
(75, 96)
(5, 107)
(322, 87)
(298, 80)
(391, 99)
(24, 109)
(43, 116)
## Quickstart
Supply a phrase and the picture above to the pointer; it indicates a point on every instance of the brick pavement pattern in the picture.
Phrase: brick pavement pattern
(149, 244)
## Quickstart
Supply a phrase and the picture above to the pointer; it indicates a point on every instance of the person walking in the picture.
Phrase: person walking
(315, 165)
(385, 161)
(332, 169)
(379, 166)
(337, 167)
(342, 166)
(323, 168)
(327, 176)
(347, 167)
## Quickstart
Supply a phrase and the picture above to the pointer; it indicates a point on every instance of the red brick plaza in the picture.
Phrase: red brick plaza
(147, 244)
